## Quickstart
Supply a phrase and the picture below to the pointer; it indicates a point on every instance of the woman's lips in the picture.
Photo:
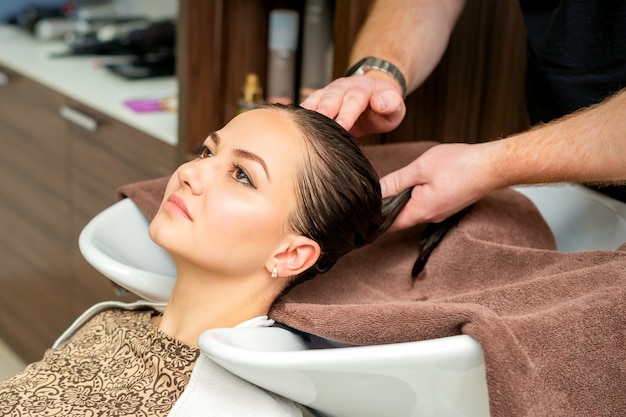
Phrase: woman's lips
(176, 205)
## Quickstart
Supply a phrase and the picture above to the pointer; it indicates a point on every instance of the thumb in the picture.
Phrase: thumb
(395, 182)
(388, 103)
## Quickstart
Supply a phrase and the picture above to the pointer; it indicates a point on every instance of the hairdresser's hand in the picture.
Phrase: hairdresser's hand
(445, 179)
(362, 104)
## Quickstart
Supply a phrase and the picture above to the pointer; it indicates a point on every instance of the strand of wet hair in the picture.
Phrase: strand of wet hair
(431, 236)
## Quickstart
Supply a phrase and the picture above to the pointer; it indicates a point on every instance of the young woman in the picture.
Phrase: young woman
(274, 197)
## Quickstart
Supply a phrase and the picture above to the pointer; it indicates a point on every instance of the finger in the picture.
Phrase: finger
(313, 100)
(332, 97)
(354, 103)
(422, 207)
(372, 122)
(399, 180)
(388, 103)
(329, 102)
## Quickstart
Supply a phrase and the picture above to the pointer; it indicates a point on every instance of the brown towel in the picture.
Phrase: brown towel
(147, 195)
(552, 325)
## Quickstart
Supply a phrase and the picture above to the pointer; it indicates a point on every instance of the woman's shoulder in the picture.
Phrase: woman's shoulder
(99, 308)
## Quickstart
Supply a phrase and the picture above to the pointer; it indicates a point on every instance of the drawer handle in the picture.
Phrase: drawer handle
(78, 118)
(4, 79)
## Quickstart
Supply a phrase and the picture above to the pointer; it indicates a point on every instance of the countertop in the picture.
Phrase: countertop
(85, 80)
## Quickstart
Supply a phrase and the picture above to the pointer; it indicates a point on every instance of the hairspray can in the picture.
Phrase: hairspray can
(281, 58)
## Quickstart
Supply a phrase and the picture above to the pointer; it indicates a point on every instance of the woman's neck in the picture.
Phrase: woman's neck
(199, 303)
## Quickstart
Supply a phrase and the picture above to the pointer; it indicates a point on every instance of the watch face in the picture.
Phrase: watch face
(357, 68)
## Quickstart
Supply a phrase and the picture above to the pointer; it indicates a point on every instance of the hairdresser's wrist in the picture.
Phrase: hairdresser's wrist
(494, 160)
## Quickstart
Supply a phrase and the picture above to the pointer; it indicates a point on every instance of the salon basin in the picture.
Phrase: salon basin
(116, 243)
(440, 377)
(580, 218)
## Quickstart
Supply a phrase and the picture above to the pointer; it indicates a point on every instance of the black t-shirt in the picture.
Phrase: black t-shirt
(576, 57)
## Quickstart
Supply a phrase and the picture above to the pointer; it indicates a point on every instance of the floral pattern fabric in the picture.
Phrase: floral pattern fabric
(118, 364)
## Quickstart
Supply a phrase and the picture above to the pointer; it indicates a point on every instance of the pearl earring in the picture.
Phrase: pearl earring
(274, 272)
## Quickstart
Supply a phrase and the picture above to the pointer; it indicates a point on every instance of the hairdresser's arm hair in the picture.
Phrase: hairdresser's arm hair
(412, 34)
(586, 146)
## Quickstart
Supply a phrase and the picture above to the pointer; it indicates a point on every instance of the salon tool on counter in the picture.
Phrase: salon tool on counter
(30, 15)
(129, 38)
(94, 10)
(145, 66)
(158, 103)
(51, 22)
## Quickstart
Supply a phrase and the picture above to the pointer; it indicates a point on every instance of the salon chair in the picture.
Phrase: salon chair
(440, 377)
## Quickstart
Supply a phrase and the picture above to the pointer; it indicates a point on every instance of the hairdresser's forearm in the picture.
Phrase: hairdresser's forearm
(411, 34)
(587, 146)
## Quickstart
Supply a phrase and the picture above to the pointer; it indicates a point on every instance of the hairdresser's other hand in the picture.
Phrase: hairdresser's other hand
(445, 179)
(362, 104)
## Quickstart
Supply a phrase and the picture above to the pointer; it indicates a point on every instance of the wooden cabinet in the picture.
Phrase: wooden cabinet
(35, 213)
(55, 176)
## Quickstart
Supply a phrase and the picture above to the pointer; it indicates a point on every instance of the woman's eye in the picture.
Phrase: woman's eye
(242, 176)
(205, 152)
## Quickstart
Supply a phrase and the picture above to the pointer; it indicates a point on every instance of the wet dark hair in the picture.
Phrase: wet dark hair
(339, 198)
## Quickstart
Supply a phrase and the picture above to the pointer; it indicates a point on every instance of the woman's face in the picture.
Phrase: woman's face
(227, 211)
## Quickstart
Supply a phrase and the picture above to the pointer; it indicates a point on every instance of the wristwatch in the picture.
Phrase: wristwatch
(373, 63)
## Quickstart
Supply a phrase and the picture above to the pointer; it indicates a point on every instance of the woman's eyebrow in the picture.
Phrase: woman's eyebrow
(253, 157)
(215, 138)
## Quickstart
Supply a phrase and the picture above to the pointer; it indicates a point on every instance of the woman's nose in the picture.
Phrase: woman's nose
(190, 176)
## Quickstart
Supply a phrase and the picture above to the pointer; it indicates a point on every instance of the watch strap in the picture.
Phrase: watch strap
(372, 63)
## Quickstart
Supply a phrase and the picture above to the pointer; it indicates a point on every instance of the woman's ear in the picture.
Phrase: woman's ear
(299, 255)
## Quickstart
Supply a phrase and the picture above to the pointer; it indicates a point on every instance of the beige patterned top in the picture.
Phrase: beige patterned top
(117, 364)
